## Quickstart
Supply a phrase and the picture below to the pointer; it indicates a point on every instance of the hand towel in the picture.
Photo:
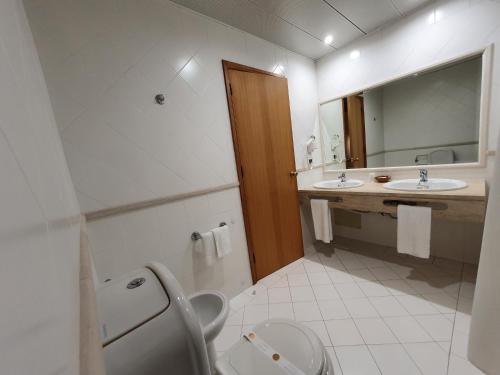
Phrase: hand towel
(322, 219)
(222, 239)
(205, 247)
(414, 230)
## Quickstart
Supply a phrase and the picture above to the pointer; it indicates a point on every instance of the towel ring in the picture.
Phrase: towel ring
(195, 236)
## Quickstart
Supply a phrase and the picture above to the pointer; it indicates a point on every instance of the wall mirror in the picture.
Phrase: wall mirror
(431, 117)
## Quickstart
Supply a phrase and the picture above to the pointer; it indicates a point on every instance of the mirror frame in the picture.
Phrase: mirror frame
(486, 54)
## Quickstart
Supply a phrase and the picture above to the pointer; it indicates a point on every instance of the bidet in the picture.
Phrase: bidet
(212, 308)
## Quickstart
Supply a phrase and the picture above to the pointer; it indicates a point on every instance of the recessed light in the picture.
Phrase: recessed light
(328, 39)
(354, 54)
(435, 17)
(439, 15)
(279, 70)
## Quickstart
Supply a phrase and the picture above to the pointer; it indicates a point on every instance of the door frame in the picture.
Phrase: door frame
(347, 132)
(226, 66)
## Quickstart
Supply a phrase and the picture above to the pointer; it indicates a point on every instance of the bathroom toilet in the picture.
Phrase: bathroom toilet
(276, 346)
(149, 327)
(441, 156)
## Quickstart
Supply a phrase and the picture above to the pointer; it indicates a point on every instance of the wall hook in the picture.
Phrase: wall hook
(160, 99)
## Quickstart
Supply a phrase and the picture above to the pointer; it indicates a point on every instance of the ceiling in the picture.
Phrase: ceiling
(302, 25)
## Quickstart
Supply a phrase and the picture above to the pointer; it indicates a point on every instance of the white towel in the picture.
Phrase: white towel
(322, 219)
(205, 247)
(222, 240)
(414, 230)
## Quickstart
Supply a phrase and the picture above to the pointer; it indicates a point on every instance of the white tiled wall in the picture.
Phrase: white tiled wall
(114, 57)
(484, 328)
(125, 242)
(39, 216)
(442, 30)
(332, 127)
(395, 119)
(104, 62)
(374, 126)
(451, 101)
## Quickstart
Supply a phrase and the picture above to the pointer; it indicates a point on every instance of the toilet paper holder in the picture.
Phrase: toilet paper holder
(195, 236)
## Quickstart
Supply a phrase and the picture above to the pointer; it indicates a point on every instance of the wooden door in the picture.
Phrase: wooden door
(354, 129)
(262, 136)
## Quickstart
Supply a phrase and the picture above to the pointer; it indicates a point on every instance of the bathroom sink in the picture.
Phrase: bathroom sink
(337, 184)
(212, 309)
(433, 184)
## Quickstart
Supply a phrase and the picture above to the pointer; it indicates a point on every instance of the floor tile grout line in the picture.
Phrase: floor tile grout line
(455, 319)
(354, 322)
(316, 258)
(400, 343)
(291, 302)
(338, 360)
(426, 331)
(404, 349)
(368, 348)
(320, 313)
(419, 295)
(389, 343)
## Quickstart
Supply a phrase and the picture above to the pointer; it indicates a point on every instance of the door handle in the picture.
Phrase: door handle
(294, 173)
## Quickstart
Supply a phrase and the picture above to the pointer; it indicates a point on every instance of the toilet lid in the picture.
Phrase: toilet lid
(294, 343)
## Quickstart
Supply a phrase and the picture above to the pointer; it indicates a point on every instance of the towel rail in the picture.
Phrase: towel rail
(433, 205)
(330, 199)
(195, 236)
(388, 203)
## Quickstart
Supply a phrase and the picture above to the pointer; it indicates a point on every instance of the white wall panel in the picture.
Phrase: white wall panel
(437, 32)
(440, 31)
(39, 216)
(123, 148)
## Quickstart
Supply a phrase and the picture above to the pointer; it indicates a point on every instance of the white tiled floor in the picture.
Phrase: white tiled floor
(376, 312)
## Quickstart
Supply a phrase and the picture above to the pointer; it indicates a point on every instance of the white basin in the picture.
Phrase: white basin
(337, 184)
(212, 308)
(433, 184)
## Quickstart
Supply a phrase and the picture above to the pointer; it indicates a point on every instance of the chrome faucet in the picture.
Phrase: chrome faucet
(342, 177)
(423, 176)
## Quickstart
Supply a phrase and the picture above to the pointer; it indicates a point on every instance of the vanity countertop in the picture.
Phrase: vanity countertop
(475, 191)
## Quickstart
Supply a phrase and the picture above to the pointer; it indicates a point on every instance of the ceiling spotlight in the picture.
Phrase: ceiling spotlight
(328, 39)
(435, 17)
(354, 54)
(279, 70)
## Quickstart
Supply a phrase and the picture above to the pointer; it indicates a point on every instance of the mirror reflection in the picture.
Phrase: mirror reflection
(428, 118)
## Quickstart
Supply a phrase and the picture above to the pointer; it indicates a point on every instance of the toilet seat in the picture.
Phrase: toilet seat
(293, 341)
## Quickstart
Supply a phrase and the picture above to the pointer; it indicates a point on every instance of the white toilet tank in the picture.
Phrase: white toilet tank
(142, 329)
(442, 156)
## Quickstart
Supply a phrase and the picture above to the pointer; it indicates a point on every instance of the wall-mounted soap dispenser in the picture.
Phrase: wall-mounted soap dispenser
(310, 147)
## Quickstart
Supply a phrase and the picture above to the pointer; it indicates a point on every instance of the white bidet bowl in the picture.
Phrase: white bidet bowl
(212, 308)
